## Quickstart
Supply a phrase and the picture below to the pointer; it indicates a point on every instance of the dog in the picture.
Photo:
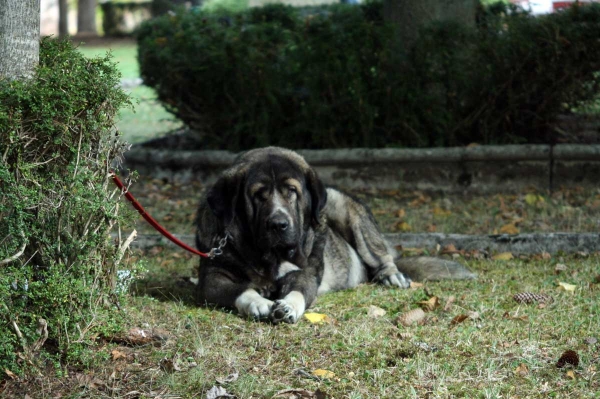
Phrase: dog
(284, 238)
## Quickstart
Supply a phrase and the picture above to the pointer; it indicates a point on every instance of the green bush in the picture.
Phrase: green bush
(330, 76)
(57, 261)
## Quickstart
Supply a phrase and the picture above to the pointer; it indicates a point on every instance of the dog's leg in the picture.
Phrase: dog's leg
(217, 287)
(353, 221)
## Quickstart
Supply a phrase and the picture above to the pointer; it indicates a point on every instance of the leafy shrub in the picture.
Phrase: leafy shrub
(331, 77)
(57, 262)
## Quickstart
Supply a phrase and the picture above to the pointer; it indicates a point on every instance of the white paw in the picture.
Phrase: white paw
(251, 304)
(390, 276)
(289, 309)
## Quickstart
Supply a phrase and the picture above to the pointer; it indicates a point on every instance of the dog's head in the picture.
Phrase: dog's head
(272, 195)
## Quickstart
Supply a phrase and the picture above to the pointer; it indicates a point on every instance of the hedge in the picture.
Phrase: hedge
(330, 76)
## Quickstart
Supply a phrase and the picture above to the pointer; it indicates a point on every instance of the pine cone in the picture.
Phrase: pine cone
(569, 357)
(530, 297)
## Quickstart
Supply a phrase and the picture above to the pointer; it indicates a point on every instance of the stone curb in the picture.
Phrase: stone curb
(517, 244)
(178, 159)
(475, 169)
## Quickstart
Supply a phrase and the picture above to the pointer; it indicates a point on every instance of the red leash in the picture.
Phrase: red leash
(151, 220)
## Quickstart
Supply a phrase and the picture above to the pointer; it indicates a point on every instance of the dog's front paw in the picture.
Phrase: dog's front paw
(252, 305)
(390, 276)
(288, 309)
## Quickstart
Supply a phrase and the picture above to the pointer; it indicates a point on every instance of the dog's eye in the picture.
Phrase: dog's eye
(292, 189)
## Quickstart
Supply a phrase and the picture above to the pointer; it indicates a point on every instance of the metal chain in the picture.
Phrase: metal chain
(219, 250)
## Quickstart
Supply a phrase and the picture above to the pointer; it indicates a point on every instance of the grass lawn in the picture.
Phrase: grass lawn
(502, 349)
(148, 119)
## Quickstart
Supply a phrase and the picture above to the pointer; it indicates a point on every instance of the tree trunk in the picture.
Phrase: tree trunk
(86, 17)
(19, 38)
(63, 18)
(412, 15)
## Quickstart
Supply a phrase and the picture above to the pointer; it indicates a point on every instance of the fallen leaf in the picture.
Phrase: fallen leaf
(571, 374)
(297, 393)
(522, 370)
(503, 256)
(533, 199)
(401, 213)
(403, 226)
(509, 229)
(515, 317)
(405, 335)
(567, 287)
(559, 268)
(375, 312)
(230, 378)
(321, 373)
(10, 374)
(458, 319)
(590, 340)
(431, 304)
(449, 303)
(411, 317)
(414, 284)
(437, 211)
(449, 250)
(217, 393)
(116, 355)
(169, 365)
(316, 318)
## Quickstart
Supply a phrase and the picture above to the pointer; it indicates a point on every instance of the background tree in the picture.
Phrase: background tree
(63, 18)
(410, 15)
(86, 17)
(19, 38)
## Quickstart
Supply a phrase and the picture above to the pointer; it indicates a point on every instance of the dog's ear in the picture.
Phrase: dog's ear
(222, 198)
(318, 194)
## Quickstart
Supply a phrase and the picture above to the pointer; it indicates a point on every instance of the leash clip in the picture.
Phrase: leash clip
(219, 250)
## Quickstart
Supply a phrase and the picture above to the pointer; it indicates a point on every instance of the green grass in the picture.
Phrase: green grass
(370, 357)
(148, 119)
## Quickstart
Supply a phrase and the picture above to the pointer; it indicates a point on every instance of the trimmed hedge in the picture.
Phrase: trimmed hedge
(330, 77)
(58, 205)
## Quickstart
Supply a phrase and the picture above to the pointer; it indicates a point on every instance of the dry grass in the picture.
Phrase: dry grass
(504, 349)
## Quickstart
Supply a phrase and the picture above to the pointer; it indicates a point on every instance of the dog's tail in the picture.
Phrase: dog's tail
(428, 268)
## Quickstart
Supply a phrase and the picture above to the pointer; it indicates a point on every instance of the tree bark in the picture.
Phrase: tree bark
(63, 18)
(86, 17)
(412, 15)
(19, 38)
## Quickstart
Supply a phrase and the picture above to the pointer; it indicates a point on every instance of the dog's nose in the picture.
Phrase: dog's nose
(279, 223)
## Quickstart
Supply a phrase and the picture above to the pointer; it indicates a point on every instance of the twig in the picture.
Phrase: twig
(124, 247)
(18, 254)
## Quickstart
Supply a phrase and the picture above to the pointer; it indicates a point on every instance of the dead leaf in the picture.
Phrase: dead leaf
(449, 303)
(297, 393)
(458, 319)
(316, 318)
(401, 213)
(437, 211)
(414, 285)
(533, 199)
(509, 228)
(411, 317)
(449, 249)
(503, 256)
(403, 226)
(522, 370)
(571, 374)
(169, 365)
(559, 268)
(321, 373)
(218, 393)
(230, 378)
(546, 256)
(116, 354)
(567, 287)
(431, 304)
(10, 374)
(515, 317)
(375, 312)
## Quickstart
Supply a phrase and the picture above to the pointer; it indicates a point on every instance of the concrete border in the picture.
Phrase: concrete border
(536, 243)
(474, 169)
